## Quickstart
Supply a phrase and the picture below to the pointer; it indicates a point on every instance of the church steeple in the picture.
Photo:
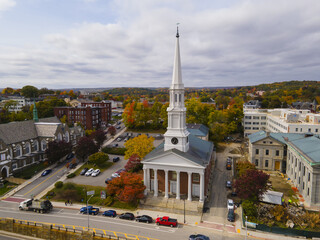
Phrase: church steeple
(177, 134)
(35, 112)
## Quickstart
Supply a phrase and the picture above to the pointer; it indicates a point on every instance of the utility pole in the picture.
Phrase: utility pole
(184, 210)
(246, 227)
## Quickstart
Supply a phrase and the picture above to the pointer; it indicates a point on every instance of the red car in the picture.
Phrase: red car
(167, 221)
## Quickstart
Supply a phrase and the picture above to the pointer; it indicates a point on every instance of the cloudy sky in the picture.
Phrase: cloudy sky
(130, 43)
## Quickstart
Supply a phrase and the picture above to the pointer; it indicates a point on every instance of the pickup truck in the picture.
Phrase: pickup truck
(90, 209)
(167, 221)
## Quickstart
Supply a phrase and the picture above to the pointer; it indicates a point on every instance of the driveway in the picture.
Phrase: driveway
(99, 180)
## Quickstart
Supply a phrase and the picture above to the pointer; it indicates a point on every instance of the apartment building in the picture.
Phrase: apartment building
(280, 120)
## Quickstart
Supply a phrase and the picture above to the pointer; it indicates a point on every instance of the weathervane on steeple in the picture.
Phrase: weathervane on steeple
(177, 30)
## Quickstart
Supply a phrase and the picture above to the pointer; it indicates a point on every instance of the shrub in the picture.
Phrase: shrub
(279, 212)
(98, 158)
(71, 175)
(69, 185)
(108, 201)
(116, 151)
(58, 184)
(250, 209)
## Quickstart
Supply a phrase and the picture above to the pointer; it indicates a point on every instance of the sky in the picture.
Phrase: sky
(61, 44)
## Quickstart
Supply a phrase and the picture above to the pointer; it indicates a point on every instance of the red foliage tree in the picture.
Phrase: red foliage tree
(112, 130)
(252, 184)
(127, 188)
(134, 164)
(85, 147)
(99, 137)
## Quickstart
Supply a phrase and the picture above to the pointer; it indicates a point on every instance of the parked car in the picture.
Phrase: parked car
(127, 216)
(230, 216)
(228, 166)
(119, 139)
(228, 184)
(89, 172)
(115, 145)
(116, 159)
(73, 165)
(118, 127)
(144, 218)
(119, 122)
(95, 173)
(110, 213)
(167, 221)
(69, 156)
(198, 237)
(230, 204)
(83, 171)
(109, 179)
(46, 172)
(117, 173)
(90, 210)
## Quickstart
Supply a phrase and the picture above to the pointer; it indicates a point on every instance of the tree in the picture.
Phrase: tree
(29, 91)
(128, 187)
(139, 146)
(252, 185)
(243, 166)
(98, 158)
(112, 130)
(134, 164)
(99, 137)
(56, 150)
(85, 148)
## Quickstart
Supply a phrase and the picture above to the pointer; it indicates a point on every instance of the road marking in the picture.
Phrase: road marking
(43, 181)
(211, 228)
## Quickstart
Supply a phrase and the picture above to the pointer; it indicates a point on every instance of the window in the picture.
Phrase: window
(277, 152)
(267, 151)
(308, 191)
(247, 117)
(266, 163)
(263, 118)
(271, 142)
(303, 185)
(28, 148)
(36, 145)
(316, 129)
(257, 151)
(14, 166)
(179, 97)
(309, 130)
(308, 177)
(256, 162)
(3, 156)
(196, 177)
(175, 98)
(304, 170)
(43, 145)
(299, 180)
(299, 166)
(18, 150)
(296, 129)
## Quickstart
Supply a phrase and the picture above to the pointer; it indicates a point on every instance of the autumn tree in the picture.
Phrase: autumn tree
(112, 130)
(85, 148)
(99, 137)
(56, 150)
(128, 187)
(134, 164)
(139, 146)
(243, 166)
(252, 185)
(29, 91)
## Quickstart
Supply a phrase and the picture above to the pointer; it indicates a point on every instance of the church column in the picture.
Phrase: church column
(148, 180)
(178, 185)
(145, 180)
(201, 187)
(155, 181)
(189, 186)
(166, 184)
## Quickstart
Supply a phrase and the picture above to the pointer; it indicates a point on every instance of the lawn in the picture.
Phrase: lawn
(6, 188)
(29, 172)
(77, 194)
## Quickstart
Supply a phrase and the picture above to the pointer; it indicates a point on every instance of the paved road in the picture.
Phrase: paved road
(100, 223)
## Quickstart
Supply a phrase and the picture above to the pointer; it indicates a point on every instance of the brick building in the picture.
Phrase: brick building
(92, 115)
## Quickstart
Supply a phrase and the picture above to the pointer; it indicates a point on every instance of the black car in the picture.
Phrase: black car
(83, 171)
(144, 218)
(198, 237)
(127, 216)
(115, 159)
(73, 165)
(69, 156)
(230, 215)
(118, 127)
(108, 180)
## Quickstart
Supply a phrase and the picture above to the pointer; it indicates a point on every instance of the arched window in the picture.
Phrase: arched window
(18, 150)
(67, 138)
(36, 145)
(28, 148)
(43, 145)
(59, 137)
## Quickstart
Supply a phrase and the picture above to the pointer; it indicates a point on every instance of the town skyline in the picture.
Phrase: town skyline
(109, 44)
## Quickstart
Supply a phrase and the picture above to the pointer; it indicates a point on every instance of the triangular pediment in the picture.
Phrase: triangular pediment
(170, 158)
(269, 141)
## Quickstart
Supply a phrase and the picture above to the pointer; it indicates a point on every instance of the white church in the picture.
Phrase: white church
(180, 167)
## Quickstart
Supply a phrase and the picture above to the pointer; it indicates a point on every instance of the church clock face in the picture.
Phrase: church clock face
(174, 140)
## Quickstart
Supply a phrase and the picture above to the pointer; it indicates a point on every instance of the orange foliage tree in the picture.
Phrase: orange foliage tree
(128, 187)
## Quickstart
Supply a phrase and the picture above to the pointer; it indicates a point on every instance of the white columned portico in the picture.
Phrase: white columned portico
(145, 180)
(148, 180)
(178, 185)
(166, 184)
(155, 182)
(201, 187)
(189, 186)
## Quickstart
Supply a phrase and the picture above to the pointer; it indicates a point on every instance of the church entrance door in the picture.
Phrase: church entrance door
(196, 190)
(173, 187)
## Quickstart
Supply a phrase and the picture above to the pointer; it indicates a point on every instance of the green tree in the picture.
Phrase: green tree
(29, 91)
(99, 158)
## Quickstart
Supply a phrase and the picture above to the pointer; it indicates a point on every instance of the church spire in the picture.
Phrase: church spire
(35, 112)
(177, 76)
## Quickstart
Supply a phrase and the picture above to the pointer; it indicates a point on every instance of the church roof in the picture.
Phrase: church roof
(197, 129)
(199, 152)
